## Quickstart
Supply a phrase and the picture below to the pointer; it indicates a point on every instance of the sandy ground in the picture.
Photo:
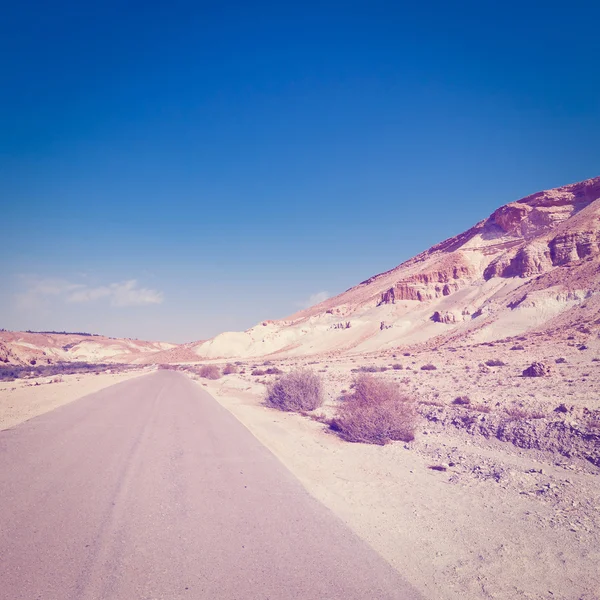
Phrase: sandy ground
(501, 522)
(24, 399)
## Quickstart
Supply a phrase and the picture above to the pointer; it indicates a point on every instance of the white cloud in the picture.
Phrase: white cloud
(128, 294)
(313, 299)
(120, 294)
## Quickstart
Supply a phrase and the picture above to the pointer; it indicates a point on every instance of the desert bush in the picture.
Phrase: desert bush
(366, 369)
(518, 413)
(375, 413)
(210, 372)
(429, 367)
(397, 367)
(517, 347)
(273, 371)
(296, 391)
(462, 400)
(494, 362)
(561, 360)
(482, 408)
(230, 369)
(269, 371)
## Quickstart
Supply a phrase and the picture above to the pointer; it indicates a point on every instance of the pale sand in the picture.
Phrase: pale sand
(24, 399)
(451, 534)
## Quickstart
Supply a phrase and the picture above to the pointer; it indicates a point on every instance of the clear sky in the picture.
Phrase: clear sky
(176, 169)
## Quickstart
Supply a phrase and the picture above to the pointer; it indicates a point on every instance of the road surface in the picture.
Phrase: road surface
(150, 490)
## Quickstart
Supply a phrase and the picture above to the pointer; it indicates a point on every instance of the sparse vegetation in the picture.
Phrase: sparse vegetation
(230, 369)
(494, 362)
(429, 367)
(482, 408)
(12, 372)
(516, 412)
(366, 369)
(209, 372)
(297, 391)
(375, 413)
(84, 333)
(462, 400)
(397, 367)
(269, 371)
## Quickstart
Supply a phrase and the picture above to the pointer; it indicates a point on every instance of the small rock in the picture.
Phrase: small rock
(536, 369)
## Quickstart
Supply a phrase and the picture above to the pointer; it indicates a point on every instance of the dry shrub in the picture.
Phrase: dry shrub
(517, 413)
(297, 391)
(230, 369)
(269, 371)
(376, 413)
(462, 400)
(428, 367)
(494, 362)
(210, 372)
(366, 369)
(482, 408)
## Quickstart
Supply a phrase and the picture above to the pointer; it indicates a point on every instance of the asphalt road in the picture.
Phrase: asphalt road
(151, 490)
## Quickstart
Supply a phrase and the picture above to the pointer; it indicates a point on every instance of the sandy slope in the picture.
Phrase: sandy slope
(24, 399)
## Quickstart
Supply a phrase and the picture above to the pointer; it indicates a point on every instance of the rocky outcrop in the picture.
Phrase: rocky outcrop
(510, 218)
(570, 247)
(409, 291)
(541, 256)
(537, 369)
(445, 316)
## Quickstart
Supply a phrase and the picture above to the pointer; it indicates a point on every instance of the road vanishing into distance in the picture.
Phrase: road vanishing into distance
(150, 490)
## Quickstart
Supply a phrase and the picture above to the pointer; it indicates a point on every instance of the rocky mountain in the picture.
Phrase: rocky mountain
(533, 263)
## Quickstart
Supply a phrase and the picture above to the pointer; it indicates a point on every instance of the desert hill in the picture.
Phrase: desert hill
(32, 348)
(532, 264)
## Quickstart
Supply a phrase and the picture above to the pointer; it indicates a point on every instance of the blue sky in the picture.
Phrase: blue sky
(173, 170)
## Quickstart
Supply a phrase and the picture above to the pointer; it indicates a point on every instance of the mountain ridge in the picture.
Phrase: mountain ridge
(477, 273)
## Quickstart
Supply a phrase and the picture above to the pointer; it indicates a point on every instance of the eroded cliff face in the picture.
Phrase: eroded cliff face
(529, 262)
(522, 239)
(551, 229)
